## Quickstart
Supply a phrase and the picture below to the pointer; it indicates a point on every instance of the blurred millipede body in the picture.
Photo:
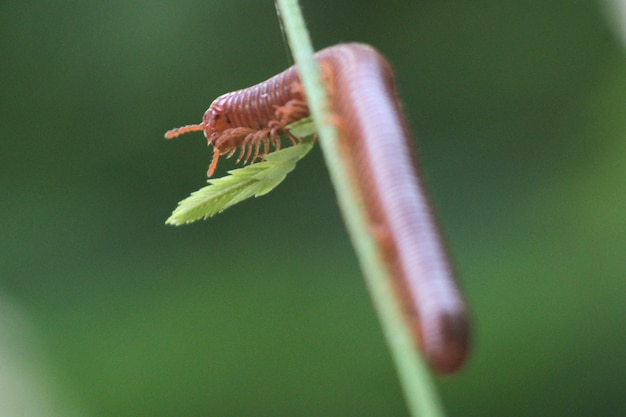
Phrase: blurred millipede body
(377, 146)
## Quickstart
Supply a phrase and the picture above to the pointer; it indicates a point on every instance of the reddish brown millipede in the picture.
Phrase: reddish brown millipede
(251, 118)
(377, 147)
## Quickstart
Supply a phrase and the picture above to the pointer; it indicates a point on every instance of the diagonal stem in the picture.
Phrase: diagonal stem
(415, 379)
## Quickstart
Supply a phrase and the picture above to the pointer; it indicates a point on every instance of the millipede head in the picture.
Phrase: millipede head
(215, 119)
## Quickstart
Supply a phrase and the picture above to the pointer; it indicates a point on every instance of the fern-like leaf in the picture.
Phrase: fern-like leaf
(242, 183)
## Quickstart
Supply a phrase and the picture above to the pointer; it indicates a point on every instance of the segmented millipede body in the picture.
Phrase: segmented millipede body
(377, 147)
(252, 117)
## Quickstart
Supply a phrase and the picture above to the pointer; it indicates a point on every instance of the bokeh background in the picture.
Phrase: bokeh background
(519, 113)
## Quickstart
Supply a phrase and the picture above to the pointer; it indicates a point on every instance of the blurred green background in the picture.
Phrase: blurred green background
(519, 110)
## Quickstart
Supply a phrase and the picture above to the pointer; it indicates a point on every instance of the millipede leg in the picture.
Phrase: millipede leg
(216, 157)
(257, 146)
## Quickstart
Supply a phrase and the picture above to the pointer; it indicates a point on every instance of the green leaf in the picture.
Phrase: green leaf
(242, 183)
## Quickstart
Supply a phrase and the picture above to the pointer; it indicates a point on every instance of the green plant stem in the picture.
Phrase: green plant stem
(414, 376)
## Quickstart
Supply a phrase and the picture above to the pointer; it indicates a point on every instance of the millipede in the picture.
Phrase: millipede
(250, 118)
(377, 147)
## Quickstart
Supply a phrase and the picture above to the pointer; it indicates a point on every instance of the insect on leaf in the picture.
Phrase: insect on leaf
(242, 183)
